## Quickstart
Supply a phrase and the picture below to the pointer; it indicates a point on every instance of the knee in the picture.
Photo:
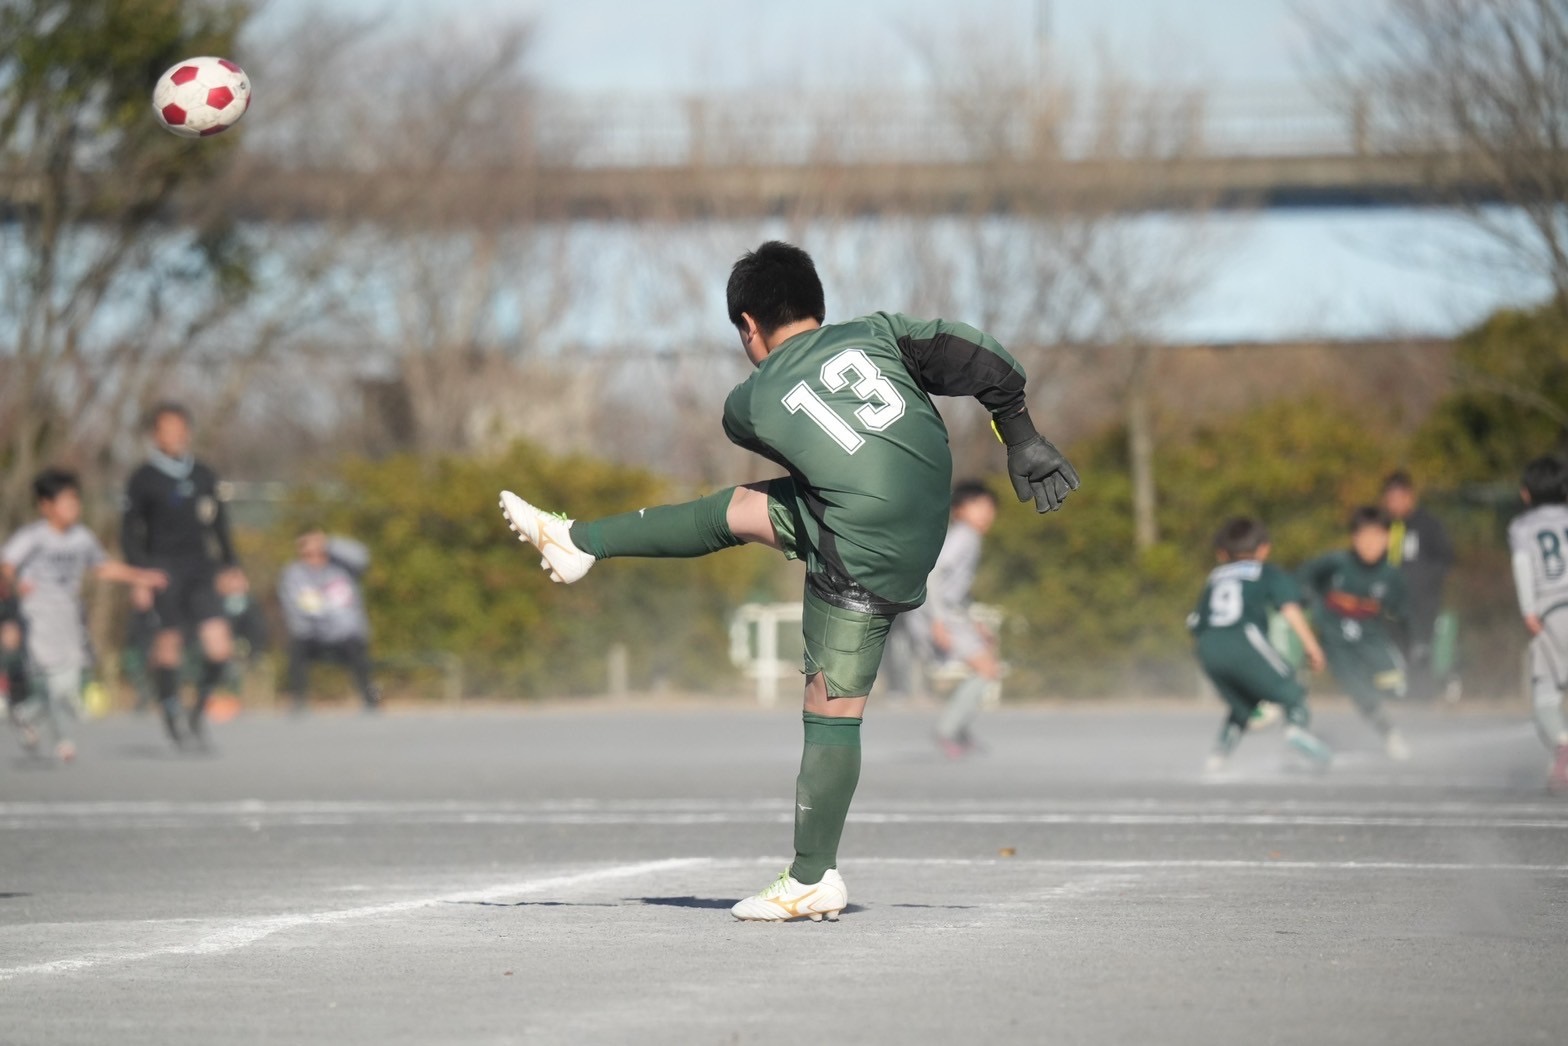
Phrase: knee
(166, 650)
(217, 641)
(748, 515)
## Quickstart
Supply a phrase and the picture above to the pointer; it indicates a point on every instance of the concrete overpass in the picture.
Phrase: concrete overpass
(739, 156)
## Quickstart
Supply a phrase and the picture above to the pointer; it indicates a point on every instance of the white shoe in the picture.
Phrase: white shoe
(1216, 764)
(787, 898)
(551, 534)
(1395, 746)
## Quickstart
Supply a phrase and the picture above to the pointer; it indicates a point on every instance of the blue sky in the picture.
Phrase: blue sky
(1284, 274)
(686, 45)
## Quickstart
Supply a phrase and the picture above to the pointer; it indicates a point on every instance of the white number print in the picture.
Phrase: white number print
(1225, 603)
(881, 403)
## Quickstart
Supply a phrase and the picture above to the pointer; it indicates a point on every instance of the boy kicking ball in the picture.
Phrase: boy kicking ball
(1538, 540)
(845, 409)
(1230, 625)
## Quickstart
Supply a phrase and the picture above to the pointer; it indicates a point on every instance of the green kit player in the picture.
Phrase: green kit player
(1358, 595)
(845, 409)
(1230, 626)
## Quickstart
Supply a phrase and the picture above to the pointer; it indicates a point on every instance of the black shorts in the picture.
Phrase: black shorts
(189, 599)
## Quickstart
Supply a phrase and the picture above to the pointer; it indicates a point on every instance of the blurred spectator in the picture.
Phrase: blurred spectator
(1419, 546)
(324, 612)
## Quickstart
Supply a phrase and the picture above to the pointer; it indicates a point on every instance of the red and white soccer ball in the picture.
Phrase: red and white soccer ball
(200, 97)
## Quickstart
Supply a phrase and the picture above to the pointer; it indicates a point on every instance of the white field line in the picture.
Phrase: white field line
(256, 819)
(245, 932)
(1177, 864)
(1209, 804)
(1091, 864)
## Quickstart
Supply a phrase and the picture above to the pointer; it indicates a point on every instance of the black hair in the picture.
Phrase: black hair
(969, 490)
(164, 409)
(1240, 537)
(777, 285)
(1368, 516)
(1399, 479)
(1546, 481)
(52, 482)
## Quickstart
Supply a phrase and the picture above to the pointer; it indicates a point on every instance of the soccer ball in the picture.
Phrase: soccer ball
(200, 97)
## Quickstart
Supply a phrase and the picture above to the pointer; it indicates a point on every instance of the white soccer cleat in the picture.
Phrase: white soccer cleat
(551, 534)
(788, 898)
(1216, 764)
(1394, 745)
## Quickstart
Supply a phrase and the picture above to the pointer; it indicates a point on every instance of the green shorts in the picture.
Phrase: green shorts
(844, 645)
(1247, 671)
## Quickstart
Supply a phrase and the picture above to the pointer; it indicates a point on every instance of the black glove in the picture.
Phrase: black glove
(1038, 470)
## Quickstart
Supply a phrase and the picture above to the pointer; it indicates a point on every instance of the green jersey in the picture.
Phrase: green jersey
(1355, 600)
(846, 409)
(1240, 594)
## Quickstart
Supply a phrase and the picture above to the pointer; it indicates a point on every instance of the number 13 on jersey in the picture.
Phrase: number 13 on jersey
(881, 403)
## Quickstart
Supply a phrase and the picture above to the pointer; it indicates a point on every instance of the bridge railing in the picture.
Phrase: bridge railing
(799, 129)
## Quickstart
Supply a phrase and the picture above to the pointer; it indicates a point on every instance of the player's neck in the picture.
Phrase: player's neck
(777, 338)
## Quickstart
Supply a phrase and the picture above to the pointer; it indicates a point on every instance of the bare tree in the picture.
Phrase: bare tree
(1474, 93)
(462, 276)
(131, 272)
(1070, 265)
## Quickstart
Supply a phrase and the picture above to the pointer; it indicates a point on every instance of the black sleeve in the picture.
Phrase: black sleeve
(954, 359)
(1436, 539)
(133, 521)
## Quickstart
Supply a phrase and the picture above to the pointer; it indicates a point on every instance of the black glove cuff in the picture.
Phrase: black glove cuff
(1017, 429)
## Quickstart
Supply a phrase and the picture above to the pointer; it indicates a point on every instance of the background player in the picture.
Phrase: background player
(846, 410)
(176, 522)
(953, 636)
(1418, 544)
(13, 677)
(1230, 625)
(1358, 596)
(47, 560)
(1538, 540)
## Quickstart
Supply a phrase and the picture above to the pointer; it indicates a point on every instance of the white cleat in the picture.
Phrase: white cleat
(788, 898)
(551, 534)
(1394, 745)
(1216, 765)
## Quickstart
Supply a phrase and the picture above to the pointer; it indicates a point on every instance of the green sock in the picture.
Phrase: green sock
(829, 771)
(692, 528)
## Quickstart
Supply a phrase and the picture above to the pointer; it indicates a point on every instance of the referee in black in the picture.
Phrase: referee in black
(175, 522)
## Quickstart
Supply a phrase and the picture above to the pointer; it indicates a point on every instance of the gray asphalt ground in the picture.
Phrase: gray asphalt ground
(562, 876)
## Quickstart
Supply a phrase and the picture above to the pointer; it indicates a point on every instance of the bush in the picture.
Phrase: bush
(1097, 617)
(447, 576)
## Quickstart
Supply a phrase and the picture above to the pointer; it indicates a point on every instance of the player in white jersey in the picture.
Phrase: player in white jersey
(47, 560)
(1538, 540)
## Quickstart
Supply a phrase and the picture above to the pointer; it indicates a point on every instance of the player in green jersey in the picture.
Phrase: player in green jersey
(1230, 627)
(1358, 594)
(845, 409)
